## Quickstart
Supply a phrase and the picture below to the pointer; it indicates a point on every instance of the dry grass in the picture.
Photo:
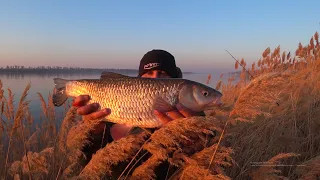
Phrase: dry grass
(310, 169)
(277, 112)
(273, 117)
(267, 169)
(105, 161)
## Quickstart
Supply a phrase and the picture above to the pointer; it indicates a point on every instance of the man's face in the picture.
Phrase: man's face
(156, 74)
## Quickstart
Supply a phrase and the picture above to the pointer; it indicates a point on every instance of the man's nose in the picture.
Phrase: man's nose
(156, 75)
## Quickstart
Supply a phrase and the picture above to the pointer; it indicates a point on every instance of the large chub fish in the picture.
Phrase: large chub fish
(132, 100)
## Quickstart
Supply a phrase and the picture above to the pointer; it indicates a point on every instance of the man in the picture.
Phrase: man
(154, 64)
(179, 72)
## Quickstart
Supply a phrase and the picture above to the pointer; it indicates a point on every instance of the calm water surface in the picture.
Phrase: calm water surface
(44, 85)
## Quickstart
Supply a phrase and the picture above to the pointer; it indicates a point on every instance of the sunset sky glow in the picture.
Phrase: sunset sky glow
(116, 34)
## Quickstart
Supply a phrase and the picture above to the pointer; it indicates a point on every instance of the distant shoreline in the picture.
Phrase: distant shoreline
(65, 70)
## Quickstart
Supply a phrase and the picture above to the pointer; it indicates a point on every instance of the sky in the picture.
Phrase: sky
(116, 34)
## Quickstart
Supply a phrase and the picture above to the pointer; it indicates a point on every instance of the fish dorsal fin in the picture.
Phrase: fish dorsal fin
(106, 74)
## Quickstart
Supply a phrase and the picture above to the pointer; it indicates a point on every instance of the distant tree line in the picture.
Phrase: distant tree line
(40, 70)
(58, 70)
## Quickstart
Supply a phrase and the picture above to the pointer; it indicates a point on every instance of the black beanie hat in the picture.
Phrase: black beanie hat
(158, 60)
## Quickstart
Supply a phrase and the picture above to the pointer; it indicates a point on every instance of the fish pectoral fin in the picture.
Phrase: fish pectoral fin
(119, 131)
(107, 74)
(163, 106)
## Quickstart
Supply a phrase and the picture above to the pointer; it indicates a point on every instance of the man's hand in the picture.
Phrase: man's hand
(91, 111)
(181, 112)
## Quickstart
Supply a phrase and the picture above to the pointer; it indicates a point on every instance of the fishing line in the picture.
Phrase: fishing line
(240, 64)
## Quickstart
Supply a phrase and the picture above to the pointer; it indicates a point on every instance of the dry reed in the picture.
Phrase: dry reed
(309, 169)
(267, 169)
(106, 160)
(282, 105)
(78, 137)
(17, 123)
(67, 123)
(257, 98)
(38, 164)
(178, 138)
(200, 161)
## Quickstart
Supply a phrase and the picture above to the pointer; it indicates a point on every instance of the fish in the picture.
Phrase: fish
(132, 100)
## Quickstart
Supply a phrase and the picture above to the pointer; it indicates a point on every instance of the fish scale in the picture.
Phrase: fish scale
(129, 100)
(132, 100)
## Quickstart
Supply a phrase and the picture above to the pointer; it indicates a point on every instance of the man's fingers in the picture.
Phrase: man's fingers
(81, 100)
(163, 117)
(98, 115)
(88, 109)
(175, 115)
(185, 112)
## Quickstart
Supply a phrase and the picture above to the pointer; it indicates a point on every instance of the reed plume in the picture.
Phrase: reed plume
(267, 170)
(182, 137)
(38, 164)
(23, 105)
(2, 128)
(259, 96)
(105, 161)
(68, 122)
(200, 161)
(78, 137)
(1, 90)
(309, 169)
(43, 105)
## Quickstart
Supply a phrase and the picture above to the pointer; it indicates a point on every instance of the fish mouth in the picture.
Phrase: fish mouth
(215, 104)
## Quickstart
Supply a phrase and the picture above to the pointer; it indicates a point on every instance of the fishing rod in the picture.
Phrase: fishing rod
(246, 70)
(241, 64)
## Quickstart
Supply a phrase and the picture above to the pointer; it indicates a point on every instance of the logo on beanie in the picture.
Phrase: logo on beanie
(151, 65)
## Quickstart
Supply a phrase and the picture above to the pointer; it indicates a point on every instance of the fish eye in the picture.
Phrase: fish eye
(205, 93)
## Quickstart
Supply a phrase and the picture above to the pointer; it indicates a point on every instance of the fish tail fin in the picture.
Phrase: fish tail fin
(59, 96)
